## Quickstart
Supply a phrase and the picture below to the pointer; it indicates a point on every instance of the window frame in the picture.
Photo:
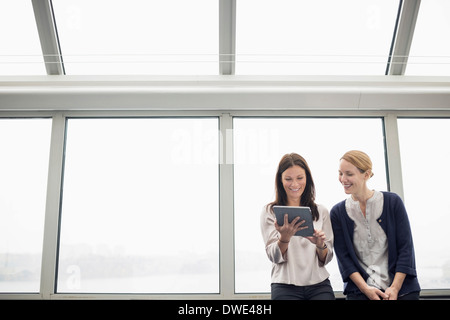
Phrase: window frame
(61, 213)
(382, 133)
(32, 117)
(385, 98)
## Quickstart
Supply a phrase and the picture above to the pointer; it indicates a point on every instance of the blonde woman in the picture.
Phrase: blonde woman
(372, 237)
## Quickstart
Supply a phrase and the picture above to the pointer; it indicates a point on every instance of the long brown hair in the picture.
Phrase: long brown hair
(309, 194)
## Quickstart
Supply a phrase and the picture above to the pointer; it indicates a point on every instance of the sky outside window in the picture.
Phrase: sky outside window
(140, 196)
(25, 147)
(20, 49)
(259, 144)
(430, 49)
(350, 37)
(138, 36)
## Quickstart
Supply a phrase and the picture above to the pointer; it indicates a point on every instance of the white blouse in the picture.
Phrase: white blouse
(300, 264)
(369, 239)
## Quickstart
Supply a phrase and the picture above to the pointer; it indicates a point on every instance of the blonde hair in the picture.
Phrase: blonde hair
(360, 160)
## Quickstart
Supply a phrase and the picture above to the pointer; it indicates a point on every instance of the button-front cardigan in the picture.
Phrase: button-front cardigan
(395, 223)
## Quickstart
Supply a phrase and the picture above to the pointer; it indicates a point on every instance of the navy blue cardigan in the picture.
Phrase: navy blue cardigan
(395, 223)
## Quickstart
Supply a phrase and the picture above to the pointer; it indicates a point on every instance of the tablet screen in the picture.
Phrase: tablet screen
(303, 212)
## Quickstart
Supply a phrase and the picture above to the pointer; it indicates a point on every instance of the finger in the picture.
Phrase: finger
(312, 239)
(319, 234)
(295, 221)
(300, 226)
(286, 219)
(382, 294)
(277, 226)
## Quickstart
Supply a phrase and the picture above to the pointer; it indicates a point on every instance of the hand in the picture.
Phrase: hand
(318, 238)
(375, 294)
(287, 230)
(392, 293)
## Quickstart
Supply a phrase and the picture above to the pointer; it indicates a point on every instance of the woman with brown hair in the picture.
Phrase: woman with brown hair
(373, 239)
(298, 263)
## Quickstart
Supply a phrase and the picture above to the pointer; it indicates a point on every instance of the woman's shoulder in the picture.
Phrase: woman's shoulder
(391, 197)
(390, 194)
(323, 210)
(338, 206)
(267, 209)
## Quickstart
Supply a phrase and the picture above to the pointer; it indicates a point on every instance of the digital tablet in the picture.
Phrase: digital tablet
(303, 212)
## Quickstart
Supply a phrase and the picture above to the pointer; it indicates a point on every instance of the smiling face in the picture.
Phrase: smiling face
(294, 183)
(351, 178)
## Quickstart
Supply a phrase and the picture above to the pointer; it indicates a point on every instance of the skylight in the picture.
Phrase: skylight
(138, 36)
(20, 50)
(350, 37)
(430, 48)
(225, 37)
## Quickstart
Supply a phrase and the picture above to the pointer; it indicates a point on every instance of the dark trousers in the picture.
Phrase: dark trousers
(362, 296)
(319, 291)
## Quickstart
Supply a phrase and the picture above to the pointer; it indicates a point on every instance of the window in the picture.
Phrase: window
(429, 54)
(24, 146)
(140, 196)
(425, 156)
(138, 36)
(20, 50)
(292, 37)
(259, 144)
(266, 37)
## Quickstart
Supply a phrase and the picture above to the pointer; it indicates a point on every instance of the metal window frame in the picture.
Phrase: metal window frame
(386, 97)
(227, 37)
(48, 36)
(396, 64)
(403, 36)
(72, 96)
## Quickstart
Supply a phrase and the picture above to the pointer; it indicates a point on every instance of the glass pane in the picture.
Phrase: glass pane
(259, 145)
(425, 156)
(430, 50)
(349, 37)
(20, 50)
(138, 36)
(25, 146)
(140, 197)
